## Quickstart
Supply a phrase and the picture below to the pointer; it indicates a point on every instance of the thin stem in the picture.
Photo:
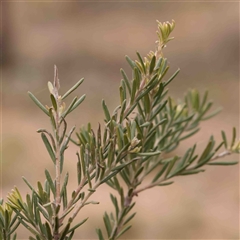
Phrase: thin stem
(84, 201)
(77, 191)
(56, 233)
(57, 165)
(136, 192)
(136, 95)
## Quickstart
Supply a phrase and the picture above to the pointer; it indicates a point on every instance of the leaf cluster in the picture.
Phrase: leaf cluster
(137, 141)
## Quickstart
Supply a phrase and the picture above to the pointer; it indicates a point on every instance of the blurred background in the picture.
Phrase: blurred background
(90, 40)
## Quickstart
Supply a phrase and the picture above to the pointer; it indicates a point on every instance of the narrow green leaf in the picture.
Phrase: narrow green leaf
(122, 94)
(115, 203)
(214, 113)
(123, 110)
(107, 223)
(28, 227)
(158, 110)
(67, 212)
(117, 184)
(149, 153)
(105, 179)
(73, 88)
(119, 138)
(78, 102)
(224, 139)
(38, 218)
(37, 102)
(99, 233)
(110, 154)
(71, 235)
(195, 99)
(151, 166)
(92, 202)
(79, 173)
(91, 190)
(147, 104)
(78, 225)
(123, 231)
(158, 94)
(204, 111)
(48, 230)
(131, 109)
(38, 238)
(106, 111)
(163, 67)
(187, 119)
(40, 190)
(192, 171)
(205, 160)
(67, 139)
(48, 147)
(219, 146)
(223, 163)
(137, 76)
(204, 100)
(54, 103)
(56, 224)
(138, 172)
(170, 166)
(82, 160)
(89, 181)
(129, 219)
(13, 228)
(233, 137)
(126, 80)
(50, 182)
(123, 165)
(171, 78)
(146, 124)
(65, 182)
(158, 64)
(130, 208)
(164, 73)
(165, 184)
(141, 61)
(51, 115)
(64, 232)
(68, 110)
(189, 134)
(125, 177)
(206, 151)
(131, 62)
(29, 185)
(134, 88)
(153, 82)
(152, 64)
(43, 211)
(6, 219)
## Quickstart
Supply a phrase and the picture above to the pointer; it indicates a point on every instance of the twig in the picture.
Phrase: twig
(221, 155)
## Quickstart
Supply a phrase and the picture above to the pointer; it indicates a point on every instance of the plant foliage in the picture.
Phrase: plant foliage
(135, 142)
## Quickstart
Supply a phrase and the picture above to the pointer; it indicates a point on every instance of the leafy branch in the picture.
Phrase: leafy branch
(133, 143)
(156, 126)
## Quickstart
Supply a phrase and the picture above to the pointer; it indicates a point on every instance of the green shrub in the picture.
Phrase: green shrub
(132, 143)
